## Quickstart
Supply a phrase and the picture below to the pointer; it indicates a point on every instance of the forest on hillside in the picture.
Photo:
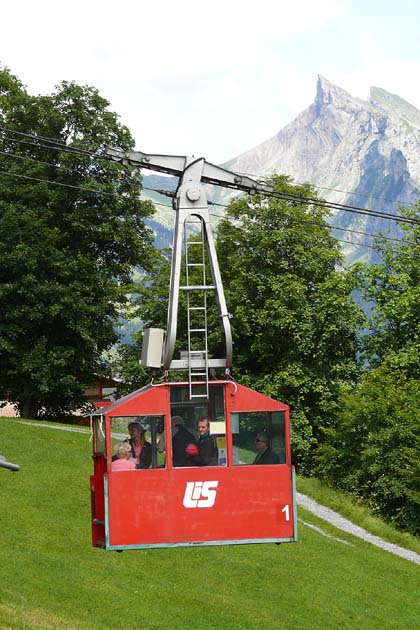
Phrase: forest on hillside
(77, 254)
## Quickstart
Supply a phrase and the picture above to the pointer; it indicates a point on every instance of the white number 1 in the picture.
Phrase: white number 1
(286, 511)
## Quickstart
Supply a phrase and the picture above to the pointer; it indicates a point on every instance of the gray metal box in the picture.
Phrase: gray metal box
(151, 353)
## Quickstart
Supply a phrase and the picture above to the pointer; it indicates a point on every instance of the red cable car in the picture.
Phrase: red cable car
(209, 460)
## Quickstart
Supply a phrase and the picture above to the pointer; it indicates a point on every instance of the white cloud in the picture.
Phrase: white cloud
(393, 76)
(213, 79)
(153, 40)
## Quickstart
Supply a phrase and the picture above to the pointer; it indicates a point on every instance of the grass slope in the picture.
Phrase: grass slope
(52, 578)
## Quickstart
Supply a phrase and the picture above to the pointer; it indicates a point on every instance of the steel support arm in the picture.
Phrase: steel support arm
(191, 200)
(176, 165)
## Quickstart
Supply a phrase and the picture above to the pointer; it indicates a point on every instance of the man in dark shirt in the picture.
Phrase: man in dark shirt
(208, 451)
(181, 438)
(264, 454)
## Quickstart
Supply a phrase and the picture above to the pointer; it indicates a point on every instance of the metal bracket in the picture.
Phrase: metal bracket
(191, 200)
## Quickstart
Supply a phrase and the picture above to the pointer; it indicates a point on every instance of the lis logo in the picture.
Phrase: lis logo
(200, 494)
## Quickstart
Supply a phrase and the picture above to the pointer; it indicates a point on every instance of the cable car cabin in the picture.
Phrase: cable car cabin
(231, 483)
(245, 494)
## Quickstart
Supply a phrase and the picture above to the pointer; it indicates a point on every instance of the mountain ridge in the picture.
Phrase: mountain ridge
(359, 152)
(323, 127)
(362, 153)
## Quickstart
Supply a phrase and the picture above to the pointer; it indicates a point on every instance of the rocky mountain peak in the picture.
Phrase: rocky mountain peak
(394, 106)
(329, 94)
(362, 153)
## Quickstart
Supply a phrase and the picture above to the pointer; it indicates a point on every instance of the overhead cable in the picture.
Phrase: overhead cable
(276, 194)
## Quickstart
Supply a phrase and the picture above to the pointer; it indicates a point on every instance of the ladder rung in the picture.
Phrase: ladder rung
(198, 287)
(198, 368)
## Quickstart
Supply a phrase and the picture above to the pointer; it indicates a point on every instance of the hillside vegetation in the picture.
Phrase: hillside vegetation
(75, 228)
(53, 578)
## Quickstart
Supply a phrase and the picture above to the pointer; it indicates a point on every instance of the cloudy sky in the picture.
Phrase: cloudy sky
(212, 79)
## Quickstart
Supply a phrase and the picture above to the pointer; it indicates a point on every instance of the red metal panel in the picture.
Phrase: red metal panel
(192, 505)
(240, 398)
(146, 401)
(97, 500)
(149, 400)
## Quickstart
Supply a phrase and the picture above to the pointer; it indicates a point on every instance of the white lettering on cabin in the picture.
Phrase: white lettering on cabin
(200, 494)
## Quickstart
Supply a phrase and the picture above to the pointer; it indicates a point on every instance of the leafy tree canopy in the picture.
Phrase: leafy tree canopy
(295, 324)
(393, 286)
(150, 307)
(373, 449)
(72, 229)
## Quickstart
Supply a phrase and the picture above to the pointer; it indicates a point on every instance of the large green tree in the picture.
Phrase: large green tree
(295, 323)
(393, 287)
(373, 449)
(72, 229)
(150, 302)
(150, 307)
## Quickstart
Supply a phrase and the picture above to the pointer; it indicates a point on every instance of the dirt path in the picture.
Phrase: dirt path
(347, 526)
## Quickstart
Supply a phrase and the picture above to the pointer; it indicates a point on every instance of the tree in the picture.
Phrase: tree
(72, 230)
(373, 449)
(150, 307)
(294, 321)
(393, 287)
(295, 324)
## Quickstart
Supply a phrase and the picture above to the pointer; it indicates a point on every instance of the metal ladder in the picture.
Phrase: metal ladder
(190, 199)
(197, 317)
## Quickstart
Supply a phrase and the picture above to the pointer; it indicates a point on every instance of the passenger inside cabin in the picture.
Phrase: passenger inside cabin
(123, 459)
(141, 450)
(208, 454)
(264, 454)
(181, 439)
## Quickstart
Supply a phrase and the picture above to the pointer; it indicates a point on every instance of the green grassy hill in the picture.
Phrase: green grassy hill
(51, 577)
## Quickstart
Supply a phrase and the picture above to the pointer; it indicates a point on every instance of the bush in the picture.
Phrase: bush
(373, 449)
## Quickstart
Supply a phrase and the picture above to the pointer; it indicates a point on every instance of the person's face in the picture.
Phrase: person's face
(134, 432)
(260, 445)
(202, 427)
